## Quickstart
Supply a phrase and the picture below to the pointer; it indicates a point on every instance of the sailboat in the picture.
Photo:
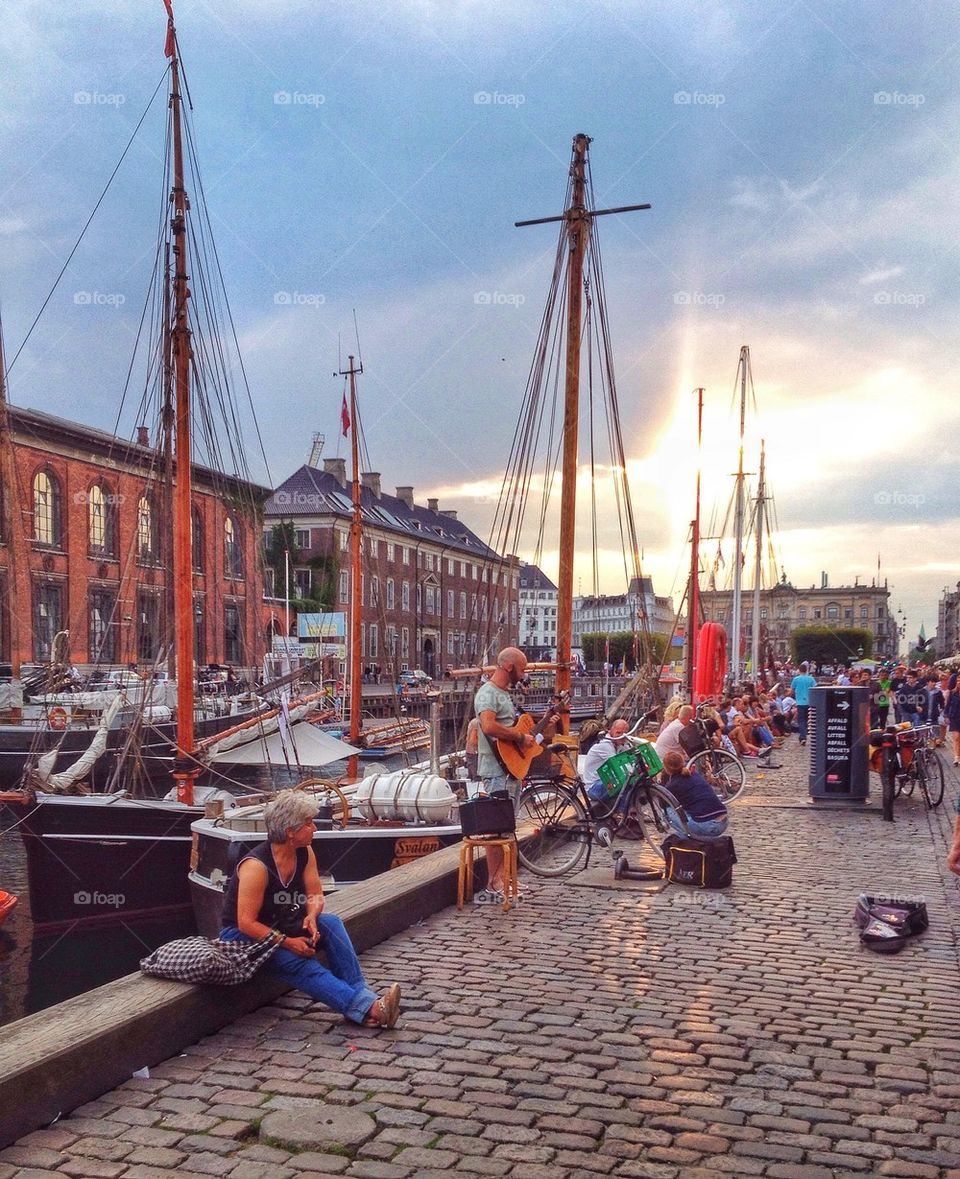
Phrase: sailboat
(364, 827)
(95, 857)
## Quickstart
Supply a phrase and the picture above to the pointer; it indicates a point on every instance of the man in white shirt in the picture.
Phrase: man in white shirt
(600, 752)
(669, 738)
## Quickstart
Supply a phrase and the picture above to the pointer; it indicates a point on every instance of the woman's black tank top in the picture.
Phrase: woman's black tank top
(277, 895)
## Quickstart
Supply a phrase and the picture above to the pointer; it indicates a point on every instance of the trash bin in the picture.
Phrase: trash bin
(838, 733)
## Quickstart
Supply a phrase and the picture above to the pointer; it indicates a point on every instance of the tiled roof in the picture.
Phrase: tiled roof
(533, 578)
(309, 492)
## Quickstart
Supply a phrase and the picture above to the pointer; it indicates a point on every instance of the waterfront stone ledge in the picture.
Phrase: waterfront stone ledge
(600, 1028)
(55, 1060)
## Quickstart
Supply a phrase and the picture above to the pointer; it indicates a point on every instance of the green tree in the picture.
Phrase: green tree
(621, 648)
(823, 644)
(283, 539)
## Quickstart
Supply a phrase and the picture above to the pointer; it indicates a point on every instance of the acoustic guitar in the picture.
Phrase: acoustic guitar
(516, 761)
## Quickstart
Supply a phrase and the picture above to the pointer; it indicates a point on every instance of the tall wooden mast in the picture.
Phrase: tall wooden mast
(578, 220)
(736, 621)
(186, 768)
(758, 573)
(578, 231)
(167, 420)
(11, 524)
(356, 575)
(693, 598)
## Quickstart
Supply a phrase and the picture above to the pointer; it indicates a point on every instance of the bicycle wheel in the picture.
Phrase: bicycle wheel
(648, 808)
(724, 772)
(560, 833)
(930, 777)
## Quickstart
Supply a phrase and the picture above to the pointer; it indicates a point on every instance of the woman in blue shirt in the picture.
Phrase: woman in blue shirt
(706, 813)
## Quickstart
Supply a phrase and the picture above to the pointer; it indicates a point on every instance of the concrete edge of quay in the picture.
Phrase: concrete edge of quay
(58, 1059)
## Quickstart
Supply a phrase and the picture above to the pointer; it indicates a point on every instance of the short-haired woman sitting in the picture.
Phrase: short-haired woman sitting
(265, 883)
(706, 813)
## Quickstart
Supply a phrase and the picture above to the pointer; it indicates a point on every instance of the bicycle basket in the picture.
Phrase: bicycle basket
(647, 752)
(615, 771)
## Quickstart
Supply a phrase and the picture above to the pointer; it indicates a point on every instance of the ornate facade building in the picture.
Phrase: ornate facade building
(85, 547)
(617, 613)
(785, 607)
(433, 595)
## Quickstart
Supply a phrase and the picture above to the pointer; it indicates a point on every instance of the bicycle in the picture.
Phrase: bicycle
(724, 771)
(566, 822)
(908, 760)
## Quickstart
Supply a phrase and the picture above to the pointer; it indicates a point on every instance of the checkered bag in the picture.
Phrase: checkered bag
(202, 960)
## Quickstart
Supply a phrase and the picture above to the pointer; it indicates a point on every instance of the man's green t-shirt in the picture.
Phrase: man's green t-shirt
(490, 698)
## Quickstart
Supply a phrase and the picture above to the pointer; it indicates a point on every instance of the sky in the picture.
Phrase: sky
(802, 165)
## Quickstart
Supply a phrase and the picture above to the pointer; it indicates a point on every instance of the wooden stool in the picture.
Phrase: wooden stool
(508, 843)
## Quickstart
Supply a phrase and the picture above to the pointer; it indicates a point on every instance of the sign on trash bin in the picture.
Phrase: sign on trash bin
(839, 724)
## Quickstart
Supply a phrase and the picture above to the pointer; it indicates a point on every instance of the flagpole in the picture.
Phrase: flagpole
(286, 632)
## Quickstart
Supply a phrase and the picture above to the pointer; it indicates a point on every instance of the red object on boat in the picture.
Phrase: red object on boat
(8, 902)
(711, 661)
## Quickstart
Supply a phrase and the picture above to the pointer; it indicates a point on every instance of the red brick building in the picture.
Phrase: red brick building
(92, 553)
(433, 594)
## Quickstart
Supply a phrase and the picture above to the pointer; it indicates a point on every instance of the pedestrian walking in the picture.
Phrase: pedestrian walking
(800, 687)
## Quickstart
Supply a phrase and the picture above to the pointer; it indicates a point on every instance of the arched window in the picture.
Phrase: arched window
(47, 528)
(232, 548)
(146, 529)
(101, 521)
(196, 539)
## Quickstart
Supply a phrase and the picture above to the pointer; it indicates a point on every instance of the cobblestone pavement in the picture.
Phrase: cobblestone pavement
(601, 1030)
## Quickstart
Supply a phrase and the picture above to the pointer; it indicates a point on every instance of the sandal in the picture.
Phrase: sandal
(386, 1010)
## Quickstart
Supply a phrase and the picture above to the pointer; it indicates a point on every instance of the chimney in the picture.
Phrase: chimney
(371, 479)
(143, 436)
(316, 447)
(337, 467)
(432, 505)
(406, 494)
(823, 580)
(451, 512)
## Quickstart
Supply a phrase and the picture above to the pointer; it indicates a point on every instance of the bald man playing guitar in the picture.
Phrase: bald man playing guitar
(496, 714)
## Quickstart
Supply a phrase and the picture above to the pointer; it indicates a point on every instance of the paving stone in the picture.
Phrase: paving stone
(318, 1126)
(328, 1164)
(97, 1168)
(804, 1058)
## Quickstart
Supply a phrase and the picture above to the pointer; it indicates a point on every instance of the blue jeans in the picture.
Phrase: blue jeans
(704, 828)
(763, 735)
(802, 710)
(912, 717)
(342, 987)
(501, 782)
(598, 792)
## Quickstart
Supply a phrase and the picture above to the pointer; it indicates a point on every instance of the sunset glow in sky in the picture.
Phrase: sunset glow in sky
(802, 165)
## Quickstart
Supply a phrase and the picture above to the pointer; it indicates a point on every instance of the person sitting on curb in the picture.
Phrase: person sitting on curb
(259, 891)
(706, 814)
(741, 731)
